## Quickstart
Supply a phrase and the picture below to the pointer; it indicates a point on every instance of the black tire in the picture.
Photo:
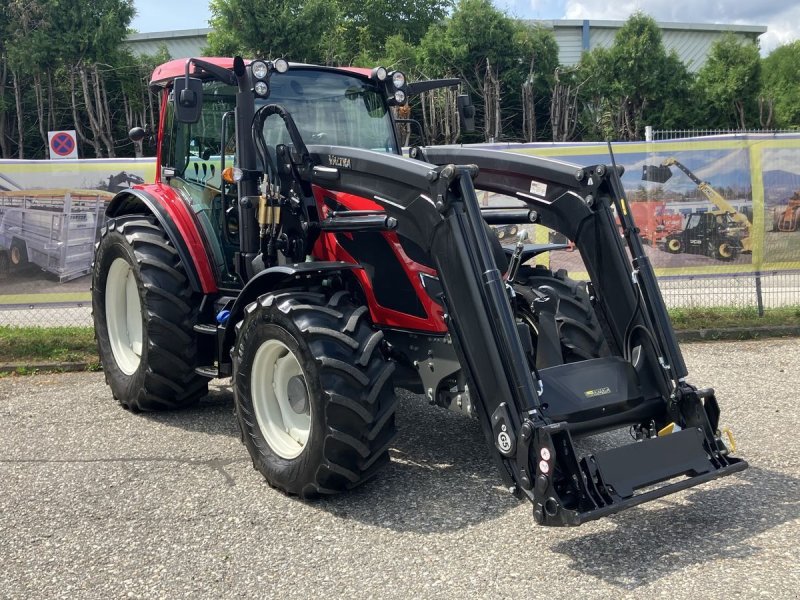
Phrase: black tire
(348, 385)
(580, 333)
(18, 253)
(726, 252)
(165, 377)
(674, 245)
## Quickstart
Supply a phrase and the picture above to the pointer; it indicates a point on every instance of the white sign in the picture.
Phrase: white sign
(63, 144)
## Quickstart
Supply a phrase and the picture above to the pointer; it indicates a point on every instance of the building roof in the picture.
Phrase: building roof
(691, 41)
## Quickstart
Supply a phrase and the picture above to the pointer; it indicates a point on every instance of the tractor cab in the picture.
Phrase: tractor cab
(207, 151)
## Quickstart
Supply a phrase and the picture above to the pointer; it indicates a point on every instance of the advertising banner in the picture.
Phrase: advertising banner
(51, 213)
(705, 206)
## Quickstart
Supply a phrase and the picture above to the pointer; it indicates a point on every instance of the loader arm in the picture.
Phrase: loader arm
(435, 204)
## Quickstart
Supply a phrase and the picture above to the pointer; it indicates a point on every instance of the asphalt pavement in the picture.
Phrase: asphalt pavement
(96, 502)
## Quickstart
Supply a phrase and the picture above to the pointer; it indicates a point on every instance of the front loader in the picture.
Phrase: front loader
(289, 245)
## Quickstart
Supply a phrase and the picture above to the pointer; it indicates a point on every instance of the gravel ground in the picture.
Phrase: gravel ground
(99, 503)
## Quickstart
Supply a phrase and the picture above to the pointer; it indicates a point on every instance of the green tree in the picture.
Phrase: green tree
(299, 30)
(366, 25)
(780, 72)
(728, 85)
(63, 66)
(634, 83)
(318, 31)
(495, 56)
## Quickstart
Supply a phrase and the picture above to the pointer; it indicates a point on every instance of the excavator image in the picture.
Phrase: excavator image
(721, 234)
(787, 216)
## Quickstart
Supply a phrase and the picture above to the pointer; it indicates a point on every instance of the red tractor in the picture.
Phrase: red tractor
(287, 243)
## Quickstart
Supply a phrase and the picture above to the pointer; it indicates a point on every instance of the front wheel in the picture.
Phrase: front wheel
(144, 311)
(313, 392)
(674, 245)
(580, 334)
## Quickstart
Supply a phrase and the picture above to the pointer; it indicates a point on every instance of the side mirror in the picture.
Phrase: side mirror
(136, 134)
(188, 98)
(466, 113)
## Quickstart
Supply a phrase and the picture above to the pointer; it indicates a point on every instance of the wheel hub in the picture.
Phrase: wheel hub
(298, 395)
(280, 399)
(124, 316)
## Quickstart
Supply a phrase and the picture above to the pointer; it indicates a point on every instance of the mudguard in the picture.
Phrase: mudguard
(276, 278)
(177, 220)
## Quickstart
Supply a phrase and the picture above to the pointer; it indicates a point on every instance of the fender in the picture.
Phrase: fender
(173, 214)
(278, 277)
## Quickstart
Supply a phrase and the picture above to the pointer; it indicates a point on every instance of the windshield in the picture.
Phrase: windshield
(330, 108)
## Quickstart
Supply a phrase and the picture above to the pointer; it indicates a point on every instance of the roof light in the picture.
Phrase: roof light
(545, 453)
(379, 73)
(398, 79)
(261, 89)
(281, 65)
(260, 69)
(400, 96)
(544, 467)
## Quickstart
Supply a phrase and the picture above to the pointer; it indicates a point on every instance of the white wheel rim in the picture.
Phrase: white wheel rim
(124, 316)
(285, 430)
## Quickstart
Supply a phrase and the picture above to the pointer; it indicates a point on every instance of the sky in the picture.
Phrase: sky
(782, 17)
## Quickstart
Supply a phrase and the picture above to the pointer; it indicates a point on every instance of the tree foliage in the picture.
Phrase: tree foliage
(62, 67)
(318, 31)
(728, 85)
(634, 83)
(780, 72)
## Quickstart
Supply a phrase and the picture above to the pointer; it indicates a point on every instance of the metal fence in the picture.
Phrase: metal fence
(761, 292)
(658, 135)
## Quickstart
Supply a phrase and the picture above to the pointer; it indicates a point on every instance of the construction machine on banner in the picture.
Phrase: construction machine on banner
(786, 218)
(319, 268)
(722, 234)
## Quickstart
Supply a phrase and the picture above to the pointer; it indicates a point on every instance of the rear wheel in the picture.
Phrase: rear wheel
(580, 334)
(18, 253)
(143, 311)
(313, 392)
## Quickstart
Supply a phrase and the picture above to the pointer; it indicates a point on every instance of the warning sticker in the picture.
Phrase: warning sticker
(538, 188)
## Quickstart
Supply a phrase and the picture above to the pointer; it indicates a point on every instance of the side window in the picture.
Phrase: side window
(197, 154)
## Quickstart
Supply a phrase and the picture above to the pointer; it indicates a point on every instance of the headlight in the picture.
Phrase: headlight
(281, 65)
(260, 69)
(261, 89)
(400, 96)
(398, 80)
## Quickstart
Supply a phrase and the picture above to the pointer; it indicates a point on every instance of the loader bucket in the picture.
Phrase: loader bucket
(657, 174)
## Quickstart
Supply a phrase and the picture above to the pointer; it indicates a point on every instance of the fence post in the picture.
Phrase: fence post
(759, 296)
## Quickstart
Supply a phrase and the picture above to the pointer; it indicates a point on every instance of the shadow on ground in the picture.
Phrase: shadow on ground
(706, 524)
(442, 478)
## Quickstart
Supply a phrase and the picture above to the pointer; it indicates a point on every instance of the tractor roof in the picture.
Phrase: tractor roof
(164, 74)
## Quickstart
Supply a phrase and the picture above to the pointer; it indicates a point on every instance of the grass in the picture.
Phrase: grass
(726, 318)
(32, 345)
(47, 345)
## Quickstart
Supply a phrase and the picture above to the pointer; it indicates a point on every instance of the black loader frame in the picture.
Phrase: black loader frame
(529, 415)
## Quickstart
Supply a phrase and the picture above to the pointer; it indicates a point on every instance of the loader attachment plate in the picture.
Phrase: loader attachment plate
(606, 482)
(628, 468)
